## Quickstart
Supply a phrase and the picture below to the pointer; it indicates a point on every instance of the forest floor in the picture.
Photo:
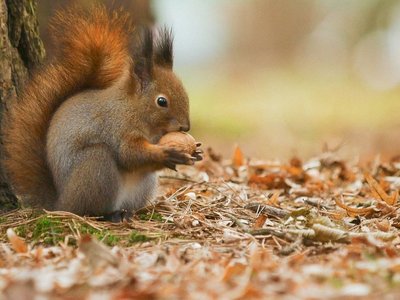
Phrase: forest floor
(224, 229)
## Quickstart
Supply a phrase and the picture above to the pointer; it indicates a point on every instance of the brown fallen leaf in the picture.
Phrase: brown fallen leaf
(394, 197)
(383, 225)
(324, 233)
(293, 171)
(345, 173)
(96, 252)
(210, 166)
(129, 292)
(296, 162)
(353, 211)
(385, 209)
(238, 157)
(391, 252)
(270, 181)
(273, 200)
(377, 191)
(260, 221)
(251, 292)
(38, 255)
(384, 236)
(232, 271)
(297, 258)
(16, 242)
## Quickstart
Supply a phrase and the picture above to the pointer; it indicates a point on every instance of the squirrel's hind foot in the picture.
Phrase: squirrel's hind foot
(118, 216)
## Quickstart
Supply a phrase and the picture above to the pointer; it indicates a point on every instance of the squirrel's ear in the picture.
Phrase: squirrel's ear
(143, 58)
(163, 54)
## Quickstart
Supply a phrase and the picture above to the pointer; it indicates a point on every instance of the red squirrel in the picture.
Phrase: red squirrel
(82, 137)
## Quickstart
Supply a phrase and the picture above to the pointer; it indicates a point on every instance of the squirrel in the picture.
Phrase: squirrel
(82, 136)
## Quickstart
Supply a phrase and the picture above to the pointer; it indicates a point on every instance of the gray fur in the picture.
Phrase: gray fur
(83, 144)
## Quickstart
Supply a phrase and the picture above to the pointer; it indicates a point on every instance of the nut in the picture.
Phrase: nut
(180, 141)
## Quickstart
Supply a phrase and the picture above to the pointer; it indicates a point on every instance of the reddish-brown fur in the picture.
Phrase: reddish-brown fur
(82, 136)
(91, 53)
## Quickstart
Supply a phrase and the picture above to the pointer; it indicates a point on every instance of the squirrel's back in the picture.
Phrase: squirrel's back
(91, 52)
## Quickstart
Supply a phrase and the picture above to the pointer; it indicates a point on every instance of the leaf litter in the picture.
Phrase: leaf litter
(223, 229)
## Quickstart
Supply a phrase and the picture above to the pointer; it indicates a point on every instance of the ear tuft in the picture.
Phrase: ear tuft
(143, 57)
(163, 55)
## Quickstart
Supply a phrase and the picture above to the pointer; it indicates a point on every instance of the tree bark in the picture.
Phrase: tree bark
(20, 50)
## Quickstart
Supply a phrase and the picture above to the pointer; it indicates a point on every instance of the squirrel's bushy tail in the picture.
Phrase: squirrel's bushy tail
(91, 52)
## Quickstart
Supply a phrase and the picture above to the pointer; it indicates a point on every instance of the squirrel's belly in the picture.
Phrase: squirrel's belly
(135, 190)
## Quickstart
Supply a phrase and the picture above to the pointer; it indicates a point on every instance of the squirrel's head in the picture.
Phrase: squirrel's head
(161, 101)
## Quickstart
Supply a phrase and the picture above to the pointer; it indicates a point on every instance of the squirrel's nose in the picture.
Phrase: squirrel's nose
(185, 128)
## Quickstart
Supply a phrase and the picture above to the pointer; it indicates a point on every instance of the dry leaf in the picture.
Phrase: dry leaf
(96, 252)
(394, 198)
(383, 225)
(270, 181)
(233, 271)
(354, 211)
(377, 190)
(260, 221)
(16, 242)
(297, 258)
(238, 159)
(325, 233)
(295, 250)
(273, 200)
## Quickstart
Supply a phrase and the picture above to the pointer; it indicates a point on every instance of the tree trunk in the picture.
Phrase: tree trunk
(20, 49)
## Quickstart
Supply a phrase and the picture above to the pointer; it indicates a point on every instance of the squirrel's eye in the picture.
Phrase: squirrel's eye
(162, 101)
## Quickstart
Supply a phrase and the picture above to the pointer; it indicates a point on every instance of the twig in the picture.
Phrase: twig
(267, 209)
(237, 222)
(179, 178)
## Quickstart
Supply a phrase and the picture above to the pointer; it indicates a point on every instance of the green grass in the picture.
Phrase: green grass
(51, 230)
(44, 230)
(106, 236)
(48, 230)
(151, 216)
(22, 231)
(137, 237)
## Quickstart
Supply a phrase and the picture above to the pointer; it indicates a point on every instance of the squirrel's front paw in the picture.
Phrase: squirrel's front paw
(173, 157)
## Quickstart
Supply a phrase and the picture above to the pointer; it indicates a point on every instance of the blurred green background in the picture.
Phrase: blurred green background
(283, 78)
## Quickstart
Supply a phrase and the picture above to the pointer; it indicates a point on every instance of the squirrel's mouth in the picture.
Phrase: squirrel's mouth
(157, 135)
(156, 138)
